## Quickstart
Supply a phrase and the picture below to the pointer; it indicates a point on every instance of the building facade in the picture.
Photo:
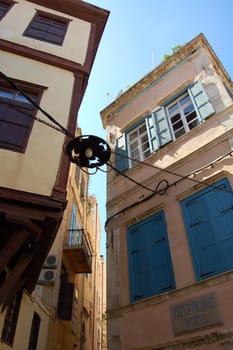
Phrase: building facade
(66, 310)
(47, 51)
(169, 206)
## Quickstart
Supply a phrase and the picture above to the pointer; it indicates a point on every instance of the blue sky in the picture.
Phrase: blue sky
(137, 35)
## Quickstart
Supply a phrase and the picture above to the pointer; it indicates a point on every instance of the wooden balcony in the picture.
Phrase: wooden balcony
(77, 251)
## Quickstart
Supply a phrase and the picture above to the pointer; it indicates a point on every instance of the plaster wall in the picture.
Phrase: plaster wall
(76, 40)
(35, 170)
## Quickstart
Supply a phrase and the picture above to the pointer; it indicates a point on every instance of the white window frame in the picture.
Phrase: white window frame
(141, 153)
(186, 124)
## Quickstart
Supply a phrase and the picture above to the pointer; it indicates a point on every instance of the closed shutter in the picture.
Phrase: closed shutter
(122, 162)
(209, 222)
(203, 244)
(65, 303)
(220, 203)
(149, 258)
(162, 125)
(201, 100)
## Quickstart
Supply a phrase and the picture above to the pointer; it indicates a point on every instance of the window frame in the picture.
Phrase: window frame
(51, 18)
(183, 118)
(9, 3)
(204, 213)
(30, 89)
(11, 319)
(140, 142)
(146, 240)
(159, 129)
(34, 333)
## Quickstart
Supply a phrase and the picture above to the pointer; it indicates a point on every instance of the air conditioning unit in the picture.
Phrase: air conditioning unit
(47, 276)
(51, 261)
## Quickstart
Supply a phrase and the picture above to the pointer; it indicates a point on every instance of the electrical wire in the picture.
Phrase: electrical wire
(17, 88)
(182, 177)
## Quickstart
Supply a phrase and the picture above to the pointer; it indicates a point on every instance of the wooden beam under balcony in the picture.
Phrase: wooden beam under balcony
(77, 251)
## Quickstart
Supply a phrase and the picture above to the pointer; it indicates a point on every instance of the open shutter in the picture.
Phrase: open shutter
(152, 133)
(122, 162)
(162, 126)
(149, 258)
(72, 224)
(201, 100)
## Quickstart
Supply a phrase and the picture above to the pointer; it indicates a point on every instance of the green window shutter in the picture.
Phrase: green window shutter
(122, 162)
(152, 132)
(162, 125)
(201, 100)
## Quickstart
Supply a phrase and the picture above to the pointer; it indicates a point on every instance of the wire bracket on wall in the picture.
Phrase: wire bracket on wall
(88, 151)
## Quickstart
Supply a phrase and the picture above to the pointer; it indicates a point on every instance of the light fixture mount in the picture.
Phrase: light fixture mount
(88, 151)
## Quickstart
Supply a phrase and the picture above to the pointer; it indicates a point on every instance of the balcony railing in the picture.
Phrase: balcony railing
(77, 250)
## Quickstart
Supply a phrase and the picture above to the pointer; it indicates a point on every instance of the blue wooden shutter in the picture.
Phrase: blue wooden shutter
(122, 162)
(152, 132)
(72, 224)
(162, 126)
(220, 202)
(209, 223)
(201, 100)
(202, 241)
(149, 258)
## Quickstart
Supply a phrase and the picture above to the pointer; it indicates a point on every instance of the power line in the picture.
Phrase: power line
(164, 190)
(182, 177)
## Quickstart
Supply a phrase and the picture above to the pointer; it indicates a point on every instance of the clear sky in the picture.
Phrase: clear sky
(137, 35)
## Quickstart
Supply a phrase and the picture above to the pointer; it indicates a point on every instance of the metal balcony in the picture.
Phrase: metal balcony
(77, 251)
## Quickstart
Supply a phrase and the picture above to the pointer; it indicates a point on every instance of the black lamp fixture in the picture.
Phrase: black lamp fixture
(88, 151)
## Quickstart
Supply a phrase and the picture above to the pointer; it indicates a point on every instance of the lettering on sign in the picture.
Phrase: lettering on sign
(195, 314)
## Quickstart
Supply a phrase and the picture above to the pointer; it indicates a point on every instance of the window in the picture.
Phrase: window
(72, 224)
(150, 268)
(139, 147)
(5, 6)
(46, 27)
(182, 115)
(165, 124)
(208, 217)
(34, 332)
(65, 302)
(16, 116)
(10, 322)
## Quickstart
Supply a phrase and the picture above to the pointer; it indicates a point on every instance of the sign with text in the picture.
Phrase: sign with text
(196, 313)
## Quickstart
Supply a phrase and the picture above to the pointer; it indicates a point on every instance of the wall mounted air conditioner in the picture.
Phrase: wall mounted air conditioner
(47, 276)
(51, 261)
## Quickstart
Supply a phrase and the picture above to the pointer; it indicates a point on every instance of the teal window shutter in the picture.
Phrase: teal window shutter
(201, 100)
(122, 162)
(150, 268)
(208, 217)
(72, 224)
(162, 126)
(152, 132)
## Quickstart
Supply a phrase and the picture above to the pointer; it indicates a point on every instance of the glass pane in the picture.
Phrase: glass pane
(188, 109)
(179, 132)
(6, 94)
(173, 108)
(175, 118)
(133, 135)
(185, 100)
(178, 125)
